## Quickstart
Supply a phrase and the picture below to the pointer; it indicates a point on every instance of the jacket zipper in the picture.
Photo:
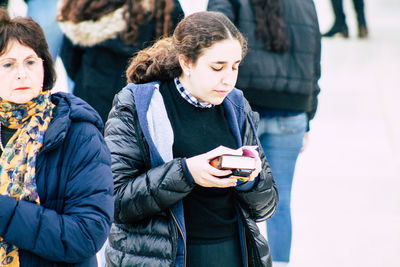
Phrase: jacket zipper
(245, 246)
(181, 232)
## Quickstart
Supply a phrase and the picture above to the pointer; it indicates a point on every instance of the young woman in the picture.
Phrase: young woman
(55, 177)
(279, 77)
(179, 111)
(103, 35)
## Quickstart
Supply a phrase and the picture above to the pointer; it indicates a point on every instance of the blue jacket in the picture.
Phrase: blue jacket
(149, 227)
(75, 186)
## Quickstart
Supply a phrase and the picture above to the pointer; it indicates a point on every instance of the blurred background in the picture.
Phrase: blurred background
(346, 191)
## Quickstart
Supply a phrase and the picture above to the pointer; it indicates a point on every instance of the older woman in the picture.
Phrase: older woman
(55, 178)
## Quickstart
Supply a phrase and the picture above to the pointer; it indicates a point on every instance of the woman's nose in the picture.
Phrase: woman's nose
(230, 78)
(21, 71)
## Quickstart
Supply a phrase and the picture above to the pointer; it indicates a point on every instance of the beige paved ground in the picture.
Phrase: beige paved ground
(346, 192)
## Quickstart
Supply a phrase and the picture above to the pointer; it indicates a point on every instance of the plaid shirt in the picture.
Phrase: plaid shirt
(189, 98)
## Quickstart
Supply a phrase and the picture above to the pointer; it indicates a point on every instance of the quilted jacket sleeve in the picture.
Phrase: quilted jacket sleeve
(140, 190)
(316, 65)
(260, 201)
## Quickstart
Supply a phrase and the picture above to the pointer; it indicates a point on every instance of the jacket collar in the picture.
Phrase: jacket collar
(90, 33)
(143, 93)
(69, 108)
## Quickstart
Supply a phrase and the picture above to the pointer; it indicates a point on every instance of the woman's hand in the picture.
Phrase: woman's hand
(252, 150)
(305, 142)
(206, 175)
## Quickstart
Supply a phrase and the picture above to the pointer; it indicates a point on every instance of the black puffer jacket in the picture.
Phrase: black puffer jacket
(146, 231)
(287, 81)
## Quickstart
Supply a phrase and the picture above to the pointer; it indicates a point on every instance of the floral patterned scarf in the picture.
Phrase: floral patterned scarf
(18, 160)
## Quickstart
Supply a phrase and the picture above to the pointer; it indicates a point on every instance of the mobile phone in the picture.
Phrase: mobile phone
(242, 172)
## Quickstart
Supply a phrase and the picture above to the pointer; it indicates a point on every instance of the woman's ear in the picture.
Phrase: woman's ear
(185, 64)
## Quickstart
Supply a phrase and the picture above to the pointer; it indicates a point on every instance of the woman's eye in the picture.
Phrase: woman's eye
(7, 65)
(216, 68)
(30, 62)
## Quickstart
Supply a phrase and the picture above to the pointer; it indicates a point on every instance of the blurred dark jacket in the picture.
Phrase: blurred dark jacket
(279, 81)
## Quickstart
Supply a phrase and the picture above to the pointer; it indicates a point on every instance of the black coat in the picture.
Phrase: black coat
(146, 232)
(269, 80)
(98, 68)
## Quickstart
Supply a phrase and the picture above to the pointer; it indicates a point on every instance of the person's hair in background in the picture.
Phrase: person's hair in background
(136, 13)
(27, 32)
(160, 62)
(271, 28)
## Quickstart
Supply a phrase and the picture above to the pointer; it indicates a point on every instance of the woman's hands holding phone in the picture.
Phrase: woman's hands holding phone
(207, 176)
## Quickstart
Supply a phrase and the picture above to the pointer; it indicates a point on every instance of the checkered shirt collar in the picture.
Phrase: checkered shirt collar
(189, 98)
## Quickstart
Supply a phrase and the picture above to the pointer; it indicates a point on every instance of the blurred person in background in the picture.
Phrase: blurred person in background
(340, 26)
(55, 178)
(279, 77)
(180, 106)
(44, 12)
(101, 38)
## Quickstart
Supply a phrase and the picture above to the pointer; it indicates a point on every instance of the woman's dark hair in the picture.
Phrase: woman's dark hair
(270, 25)
(192, 35)
(27, 32)
(136, 13)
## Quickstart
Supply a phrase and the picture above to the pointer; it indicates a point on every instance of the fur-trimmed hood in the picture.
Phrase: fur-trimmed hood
(90, 33)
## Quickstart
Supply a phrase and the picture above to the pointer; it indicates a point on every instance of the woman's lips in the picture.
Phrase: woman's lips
(22, 88)
(221, 91)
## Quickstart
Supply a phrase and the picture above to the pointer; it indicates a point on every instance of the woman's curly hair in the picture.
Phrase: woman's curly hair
(270, 25)
(191, 37)
(136, 13)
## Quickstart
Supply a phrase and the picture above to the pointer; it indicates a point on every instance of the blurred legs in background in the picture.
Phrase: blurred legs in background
(340, 26)
(281, 138)
(44, 12)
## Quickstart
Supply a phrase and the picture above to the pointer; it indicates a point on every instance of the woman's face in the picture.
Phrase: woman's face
(214, 75)
(21, 73)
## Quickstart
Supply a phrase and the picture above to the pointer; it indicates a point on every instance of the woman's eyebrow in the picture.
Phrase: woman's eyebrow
(14, 58)
(223, 62)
